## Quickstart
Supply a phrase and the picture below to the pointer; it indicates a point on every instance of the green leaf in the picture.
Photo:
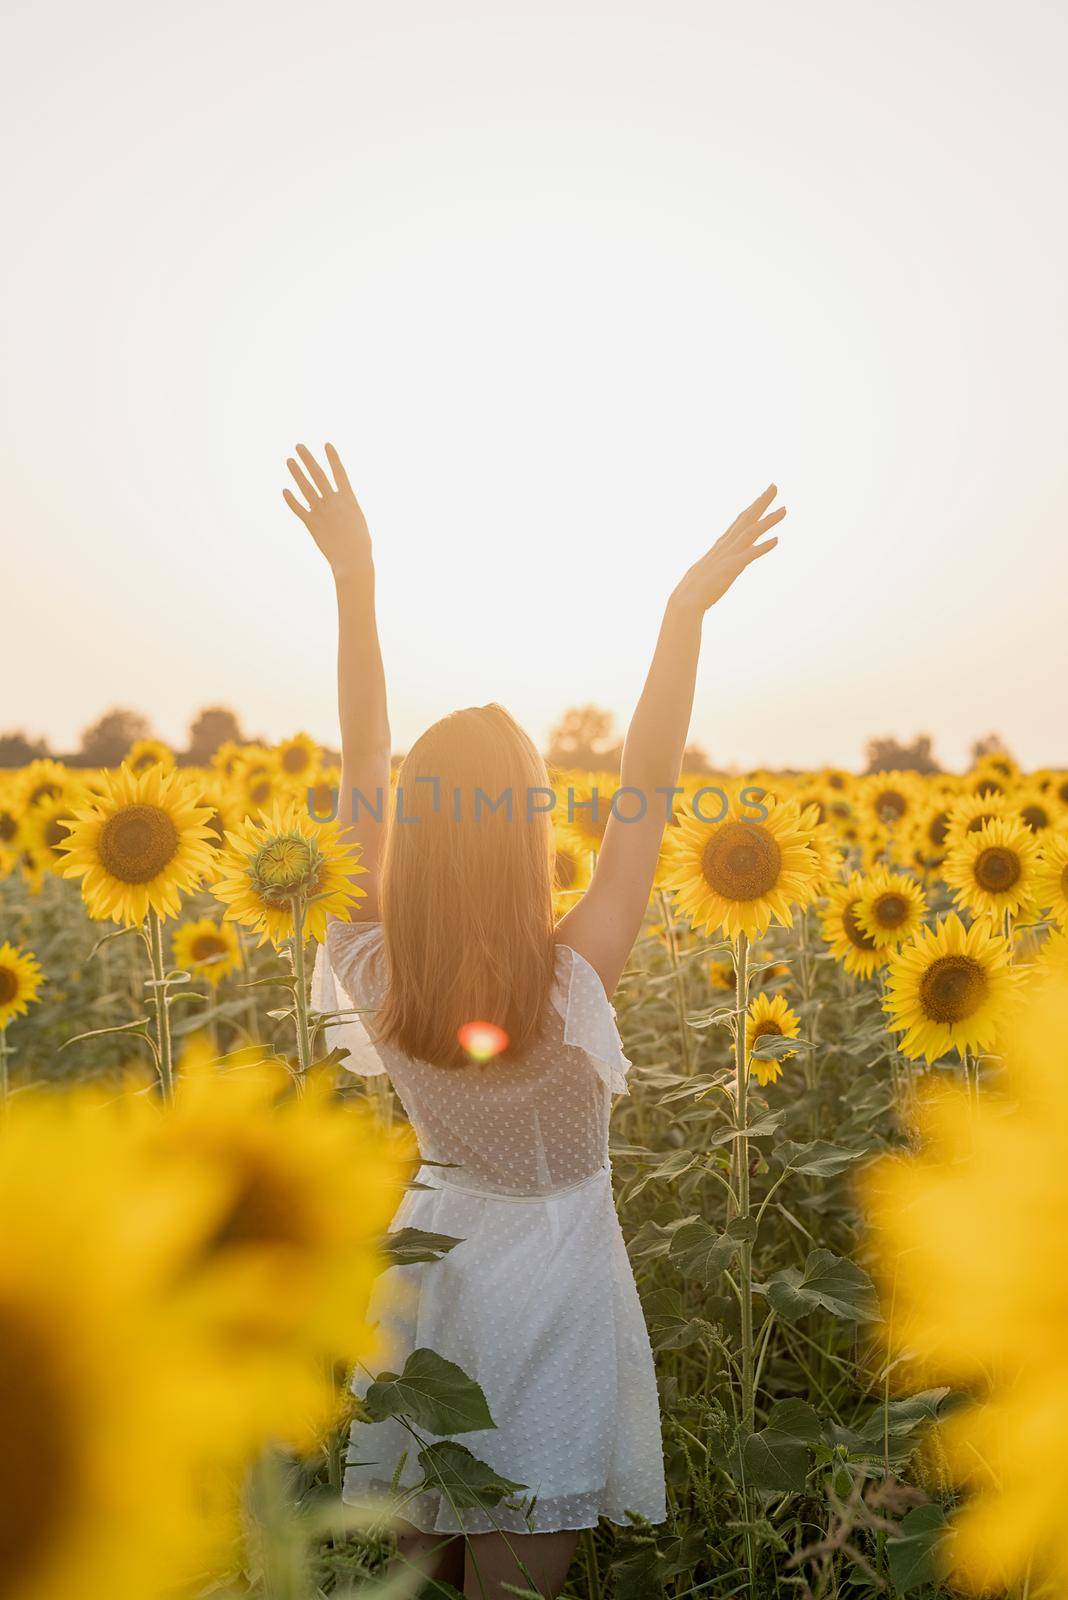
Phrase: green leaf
(774, 1046)
(698, 1251)
(432, 1393)
(770, 1460)
(671, 1165)
(828, 1281)
(818, 1158)
(916, 1553)
(779, 1455)
(670, 1328)
(741, 1228)
(797, 1419)
(465, 1479)
(762, 1128)
(408, 1245)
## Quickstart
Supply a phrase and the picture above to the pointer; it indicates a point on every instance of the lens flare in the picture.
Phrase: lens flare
(482, 1040)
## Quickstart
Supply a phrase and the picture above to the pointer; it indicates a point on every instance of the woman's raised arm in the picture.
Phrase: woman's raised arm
(332, 515)
(605, 923)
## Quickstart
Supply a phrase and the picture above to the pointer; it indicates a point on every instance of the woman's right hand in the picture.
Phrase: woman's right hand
(332, 515)
(709, 579)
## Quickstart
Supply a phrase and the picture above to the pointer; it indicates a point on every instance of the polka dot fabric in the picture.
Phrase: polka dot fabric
(538, 1303)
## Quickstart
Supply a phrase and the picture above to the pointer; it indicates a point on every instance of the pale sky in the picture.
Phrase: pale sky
(568, 283)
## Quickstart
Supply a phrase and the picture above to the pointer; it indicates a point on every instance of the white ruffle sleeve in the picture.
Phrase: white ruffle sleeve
(346, 979)
(589, 1018)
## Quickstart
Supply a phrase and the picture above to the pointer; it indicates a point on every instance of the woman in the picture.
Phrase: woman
(538, 1303)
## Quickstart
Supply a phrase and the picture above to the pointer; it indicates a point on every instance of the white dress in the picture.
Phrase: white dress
(538, 1304)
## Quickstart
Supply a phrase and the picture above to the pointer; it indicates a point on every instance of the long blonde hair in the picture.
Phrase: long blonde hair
(467, 889)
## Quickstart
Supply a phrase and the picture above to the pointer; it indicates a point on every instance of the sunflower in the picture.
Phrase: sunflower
(929, 837)
(298, 759)
(585, 808)
(969, 1240)
(848, 942)
(1051, 877)
(140, 847)
(10, 822)
(46, 827)
(949, 989)
(282, 1263)
(42, 780)
(571, 873)
(892, 799)
(256, 781)
(1035, 809)
(993, 870)
(20, 979)
(721, 975)
(741, 873)
(283, 856)
(145, 753)
(206, 947)
(769, 1015)
(891, 907)
(971, 812)
(108, 1441)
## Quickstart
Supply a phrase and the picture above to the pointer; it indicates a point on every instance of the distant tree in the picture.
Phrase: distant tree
(584, 738)
(991, 744)
(215, 725)
(694, 759)
(107, 741)
(889, 755)
(16, 750)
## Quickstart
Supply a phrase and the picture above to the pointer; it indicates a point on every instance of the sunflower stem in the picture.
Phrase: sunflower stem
(745, 1253)
(680, 981)
(161, 1002)
(300, 986)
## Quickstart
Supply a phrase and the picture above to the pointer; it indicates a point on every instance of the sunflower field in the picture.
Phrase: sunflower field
(839, 1171)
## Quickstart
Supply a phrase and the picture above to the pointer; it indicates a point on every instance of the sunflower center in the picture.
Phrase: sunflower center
(890, 910)
(987, 786)
(952, 988)
(137, 843)
(218, 830)
(938, 827)
(854, 932)
(742, 861)
(263, 1212)
(8, 827)
(997, 869)
(295, 759)
(762, 1029)
(44, 791)
(260, 791)
(1035, 817)
(565, 870)
(36, 1462)
(890, 805)
(286, 865)
(206, 945)
(9, 985)
(977, 824)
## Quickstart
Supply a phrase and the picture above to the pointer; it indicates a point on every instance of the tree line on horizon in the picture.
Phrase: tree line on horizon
(585, 738)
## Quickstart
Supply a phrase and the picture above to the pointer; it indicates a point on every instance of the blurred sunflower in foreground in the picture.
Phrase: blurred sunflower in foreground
(970, 1240)
(140, 846)
(216, 1261)
(283, 859)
